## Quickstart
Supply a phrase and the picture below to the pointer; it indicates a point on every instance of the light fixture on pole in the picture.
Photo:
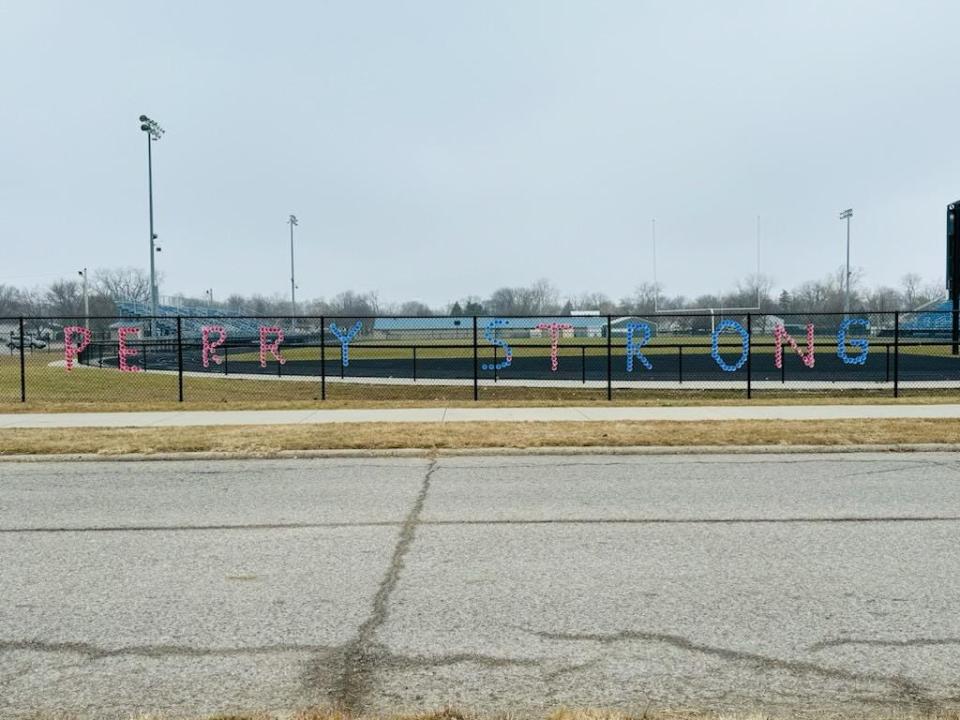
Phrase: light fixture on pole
(86, 299)
(154, 132)
(846, 215)
(292, 221)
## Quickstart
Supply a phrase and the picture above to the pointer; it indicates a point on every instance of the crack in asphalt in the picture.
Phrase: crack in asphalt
(568, 669)
(325, 661)
(181, 528)
(405, 662)
(912, 642)
(905, 466)
(907, 689)
(346, 671)
(95, 652)
(503, 521)
(952, 466)
(361, 654)
(89, 651)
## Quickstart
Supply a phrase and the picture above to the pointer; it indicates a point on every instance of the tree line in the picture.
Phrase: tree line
(109, 286)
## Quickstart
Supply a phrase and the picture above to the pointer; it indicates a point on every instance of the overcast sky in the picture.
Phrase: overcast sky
(434, 150)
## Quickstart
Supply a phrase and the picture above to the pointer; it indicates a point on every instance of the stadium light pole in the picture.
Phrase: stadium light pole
(154, 132)
(656, 287)
(846, 215)
(86, 299)
(758, 263)
(292, 221)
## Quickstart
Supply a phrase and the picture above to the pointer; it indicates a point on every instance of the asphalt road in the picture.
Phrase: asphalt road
(794, 584)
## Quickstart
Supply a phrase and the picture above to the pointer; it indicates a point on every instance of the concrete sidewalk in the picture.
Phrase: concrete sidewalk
(188, 418)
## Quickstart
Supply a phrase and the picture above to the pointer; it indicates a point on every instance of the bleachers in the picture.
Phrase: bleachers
(193, 320)
(933, 320)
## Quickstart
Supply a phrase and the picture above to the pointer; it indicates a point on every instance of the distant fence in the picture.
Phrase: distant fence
(213, 359)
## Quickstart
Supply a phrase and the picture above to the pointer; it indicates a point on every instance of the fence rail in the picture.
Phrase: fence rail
(223, 358)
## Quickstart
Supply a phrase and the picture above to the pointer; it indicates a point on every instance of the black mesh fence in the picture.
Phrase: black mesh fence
(585, 358)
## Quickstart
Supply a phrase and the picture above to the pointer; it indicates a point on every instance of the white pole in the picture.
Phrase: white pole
(846, 294)
(656, 286)
(293, 282)
(86, 301)
(846, 215)
(758, 262)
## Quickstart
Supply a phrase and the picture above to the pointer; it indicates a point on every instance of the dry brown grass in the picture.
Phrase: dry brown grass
(51, 389)
(274, 439)
(374, 397)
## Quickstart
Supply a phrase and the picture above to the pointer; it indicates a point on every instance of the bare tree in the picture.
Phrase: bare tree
(541, 298)
(883, 299)
(911, 289)
(752, 291)
(593, 301)
(504, 301)
(64, 297)
(124, 284)
(917, 293)
(235, 303)
(352, 303)
(415, 308)
(645, 298)
(11, 301)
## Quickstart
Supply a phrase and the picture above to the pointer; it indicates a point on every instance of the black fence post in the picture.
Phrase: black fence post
(680, 364)
(414, 363)
(609, 358)
(323, 359)
(143, 353)
(476, 376)
(955, 327)
(896, 354)
(23, 365)
(583, 364)
(340, 354)
(226, 359)
(886, 370)
(180, 357)
(749, 356)
(783, 370)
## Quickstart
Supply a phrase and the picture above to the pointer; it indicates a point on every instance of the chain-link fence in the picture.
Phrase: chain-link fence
(583, 358)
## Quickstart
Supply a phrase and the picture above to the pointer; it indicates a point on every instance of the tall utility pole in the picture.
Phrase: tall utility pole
(846, 215)
(293, 281)
(154, 133)
(656, 287)
(758, 263)
(86, 299)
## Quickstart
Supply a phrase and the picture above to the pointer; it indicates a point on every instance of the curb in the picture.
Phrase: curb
(596, 450)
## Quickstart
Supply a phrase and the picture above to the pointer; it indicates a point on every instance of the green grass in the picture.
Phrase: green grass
(90, 389)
